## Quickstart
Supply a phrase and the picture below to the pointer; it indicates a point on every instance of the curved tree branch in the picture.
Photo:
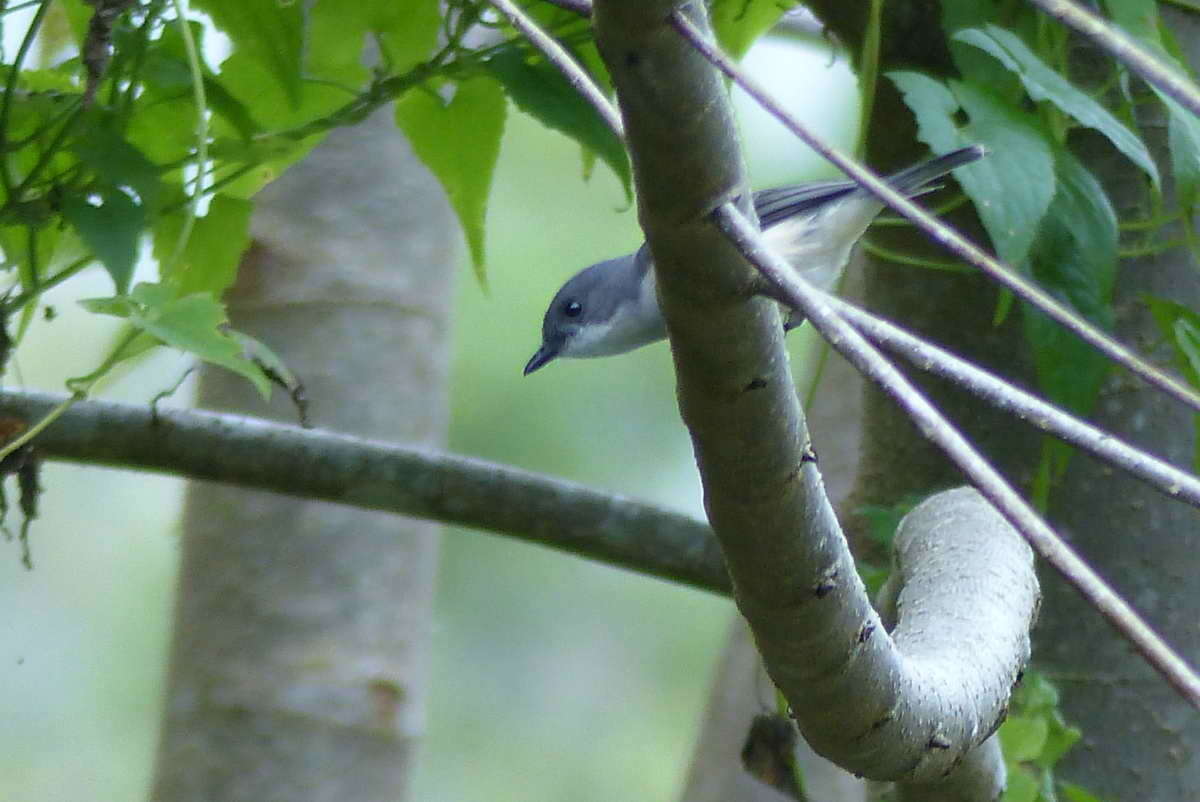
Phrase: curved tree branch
(858, 699)
(322, 465)
(840, 335)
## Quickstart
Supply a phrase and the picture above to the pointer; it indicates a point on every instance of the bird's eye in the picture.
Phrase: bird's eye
(572, 308)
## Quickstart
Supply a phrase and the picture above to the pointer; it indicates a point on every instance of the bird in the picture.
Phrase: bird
(611, 307)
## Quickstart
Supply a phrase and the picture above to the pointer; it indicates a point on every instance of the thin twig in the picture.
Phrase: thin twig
(940, 232)
(797, 292)
(1125, 49)
(1155, 472)
(581, 7)
(560, 58)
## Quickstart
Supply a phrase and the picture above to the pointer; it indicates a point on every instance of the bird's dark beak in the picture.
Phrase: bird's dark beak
(543, 355)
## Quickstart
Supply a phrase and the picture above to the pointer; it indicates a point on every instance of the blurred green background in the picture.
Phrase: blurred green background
(553, 678)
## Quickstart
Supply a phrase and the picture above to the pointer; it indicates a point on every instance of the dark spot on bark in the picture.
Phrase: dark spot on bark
(756, 384)
(937, 742)
(866, 632)
(826, 584)
(883, 722)
(809, 455)
(953, 765)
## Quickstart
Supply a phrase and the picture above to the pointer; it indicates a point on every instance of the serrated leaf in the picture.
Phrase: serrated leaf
(738, 23)
(459, 142)
(111, 229)
(540, 90)
(1044, 84)
(209, 262)
(1023, 737)
(1013, 186)
(194, 324)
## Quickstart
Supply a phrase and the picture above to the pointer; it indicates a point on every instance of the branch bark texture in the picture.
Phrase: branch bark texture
(857, 699)
(373, 475)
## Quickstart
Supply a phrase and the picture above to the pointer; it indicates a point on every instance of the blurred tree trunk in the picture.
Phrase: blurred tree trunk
(300, 651)
(1147, 545)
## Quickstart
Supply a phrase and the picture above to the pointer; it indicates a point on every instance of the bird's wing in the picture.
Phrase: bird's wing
(776, 205)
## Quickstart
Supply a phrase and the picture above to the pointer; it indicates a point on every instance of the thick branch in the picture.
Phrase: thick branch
(321, 465)
(798, 293)
(794, 578)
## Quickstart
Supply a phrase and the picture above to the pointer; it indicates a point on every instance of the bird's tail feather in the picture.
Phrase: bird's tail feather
(912, 179)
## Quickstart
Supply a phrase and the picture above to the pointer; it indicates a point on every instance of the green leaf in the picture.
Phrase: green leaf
(194, 324)
(1035, 693)
(169, 78)
(540, 90)
(1013, 186)
(975, 66)
(459, 142)
(111, 228)
(1044, 84)
(1060, 738)
(210, 259)
(117, 306)
(276, 372)
(737, 23)
(267, 36)
(118, 162)
(1075, 793)
(1140, 19)
(1023, 737)
(337, 32)
(407, 29)
(1183, 140)
(1022, 787)
(1075, 259)
(1181, 328)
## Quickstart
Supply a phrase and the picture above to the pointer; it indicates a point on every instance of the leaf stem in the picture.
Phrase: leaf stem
(193, 208)
(41, 425)
(10, 87)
